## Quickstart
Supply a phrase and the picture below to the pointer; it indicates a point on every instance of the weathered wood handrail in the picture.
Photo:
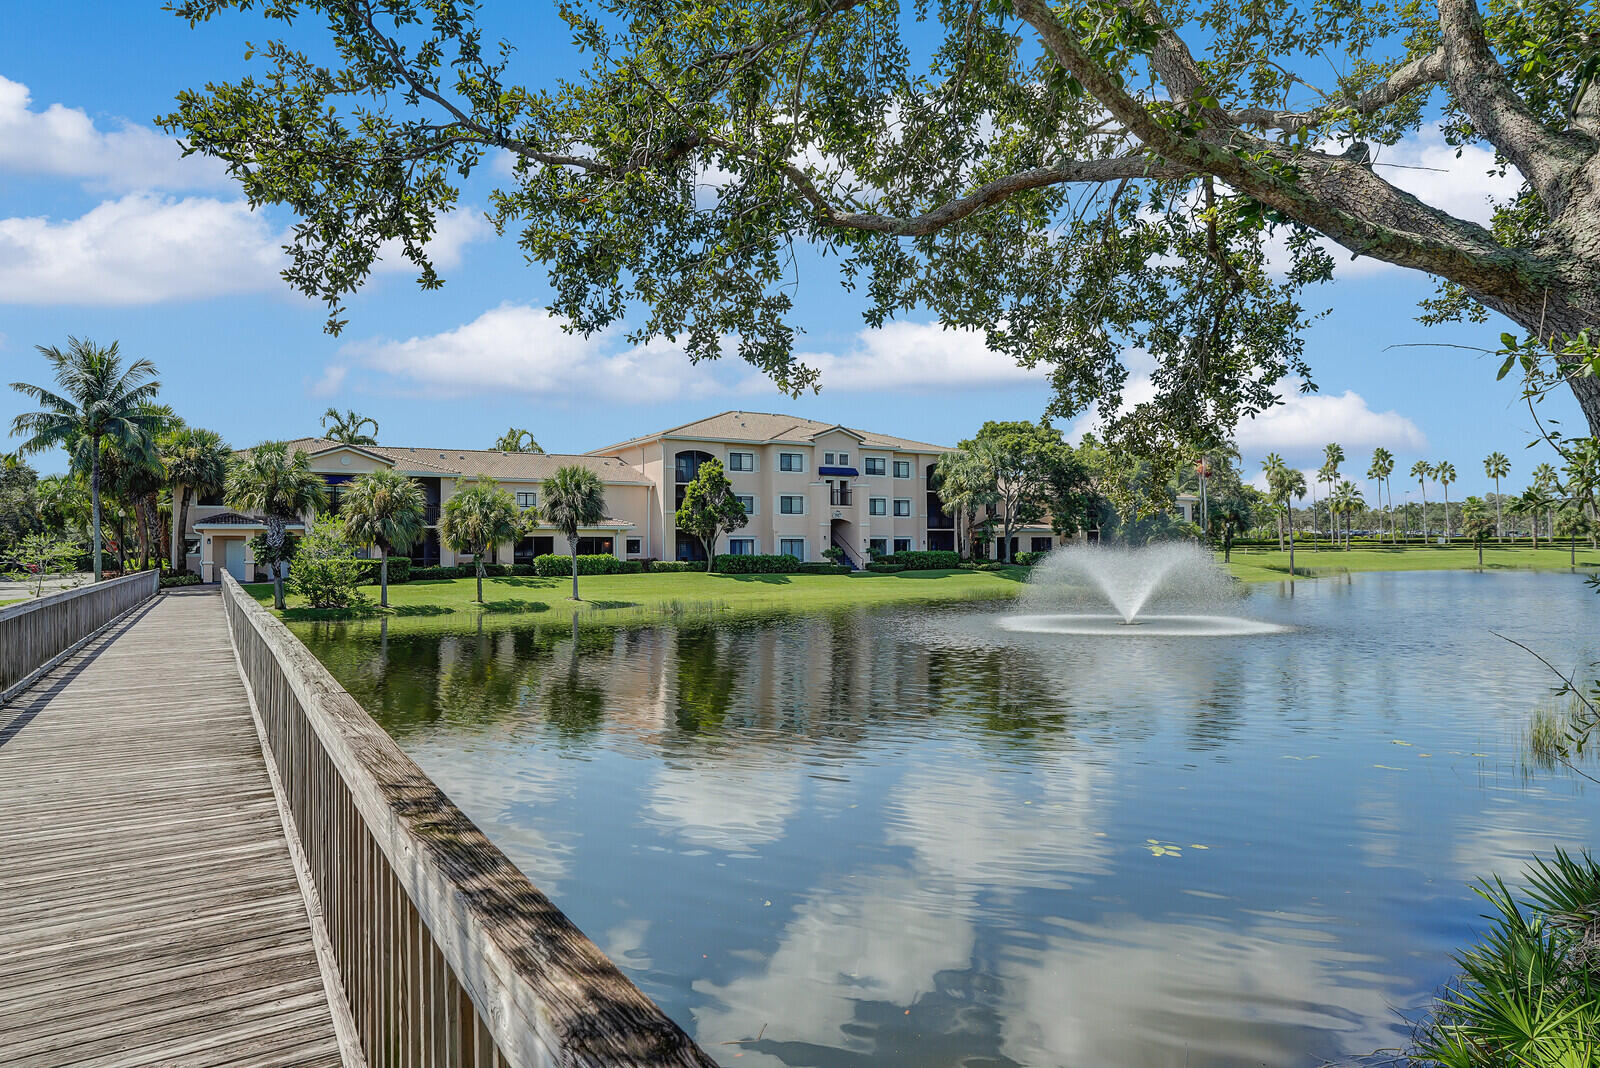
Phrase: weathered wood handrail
(34, 635)
(448, 954)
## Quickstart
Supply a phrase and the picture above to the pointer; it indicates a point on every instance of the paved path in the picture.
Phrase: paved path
(149, 911)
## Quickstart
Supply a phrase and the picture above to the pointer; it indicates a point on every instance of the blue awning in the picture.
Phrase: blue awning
(837, 471)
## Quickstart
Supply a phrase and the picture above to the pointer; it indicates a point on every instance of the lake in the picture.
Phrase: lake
(913, 837)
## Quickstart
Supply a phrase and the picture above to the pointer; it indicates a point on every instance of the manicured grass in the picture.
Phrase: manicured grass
(621, 598)
(14, 600)
(1255, 565)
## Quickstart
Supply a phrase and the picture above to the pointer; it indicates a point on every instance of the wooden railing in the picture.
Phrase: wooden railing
(448, 954)
(35, 635)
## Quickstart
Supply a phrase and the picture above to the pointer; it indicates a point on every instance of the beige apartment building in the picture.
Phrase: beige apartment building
(806, 486)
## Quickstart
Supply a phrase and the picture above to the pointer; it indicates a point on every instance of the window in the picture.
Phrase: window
(827, 458)
(791, 461)
(877, 506)
(844, 459)
(1041, 545)
(902, 545)
(792, 504)
(902, 469)
(749, 503)
(527, 500)
(686, 465)
(742, 546)
(795, 547)
(879, 546)
(741, 461)
(635, 546)
(594, 547)
(876, 465)
(902, 506)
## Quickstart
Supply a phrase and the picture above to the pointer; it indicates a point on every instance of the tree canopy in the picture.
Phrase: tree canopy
(709, 508)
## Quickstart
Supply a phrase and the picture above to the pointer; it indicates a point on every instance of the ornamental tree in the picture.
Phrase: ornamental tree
(710, 508)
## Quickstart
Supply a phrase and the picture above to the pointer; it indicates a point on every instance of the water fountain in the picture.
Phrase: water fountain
(1180, 580)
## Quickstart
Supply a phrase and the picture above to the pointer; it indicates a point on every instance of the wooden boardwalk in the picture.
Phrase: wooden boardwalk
(149, 908)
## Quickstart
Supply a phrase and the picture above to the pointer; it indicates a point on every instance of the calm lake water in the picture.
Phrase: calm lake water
(914, 838)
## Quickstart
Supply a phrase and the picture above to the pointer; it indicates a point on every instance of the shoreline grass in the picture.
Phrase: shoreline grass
(1270, 565)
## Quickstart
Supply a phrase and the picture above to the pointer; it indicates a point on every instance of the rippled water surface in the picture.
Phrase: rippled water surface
(919, 838)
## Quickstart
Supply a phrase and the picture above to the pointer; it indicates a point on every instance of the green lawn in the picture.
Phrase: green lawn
(1255, 565)
(621, 598)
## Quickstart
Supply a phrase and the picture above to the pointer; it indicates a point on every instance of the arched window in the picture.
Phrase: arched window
(687, 465)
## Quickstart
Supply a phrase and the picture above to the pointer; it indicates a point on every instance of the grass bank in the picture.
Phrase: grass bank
(623, 598)
(1257, 565)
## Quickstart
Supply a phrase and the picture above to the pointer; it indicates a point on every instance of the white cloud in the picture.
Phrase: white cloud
(330, 381)
(65, 142)
(918, 356)
(1306, 421)
(146, 248)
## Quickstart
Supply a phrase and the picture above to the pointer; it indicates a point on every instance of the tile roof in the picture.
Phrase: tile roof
(495, 464)
(234, 519)
(772, 426)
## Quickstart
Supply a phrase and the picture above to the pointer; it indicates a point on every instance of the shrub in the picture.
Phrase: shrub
(756, 564)
(554, 565)
(325, 569)
(813, 567)
(179, 578)
(399, 570)
(925, 560)
(982, 565)
(673, 567)
(419, 574)
(885, 567)
(1029, 559)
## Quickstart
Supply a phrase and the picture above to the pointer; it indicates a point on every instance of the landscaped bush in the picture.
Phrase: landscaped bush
(673, 567)
(885, 567)
(756, 564)
(553, 565)
(399, 570)
(325, 569)
(179, 578)
(817, 567)
(1029, 559)
(982, 565)
(421, 574)
(925, 560)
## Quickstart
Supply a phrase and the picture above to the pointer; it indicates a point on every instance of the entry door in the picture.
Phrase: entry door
(235, 551)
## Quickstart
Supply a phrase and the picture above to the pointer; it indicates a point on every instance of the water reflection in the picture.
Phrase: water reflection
(915, 838)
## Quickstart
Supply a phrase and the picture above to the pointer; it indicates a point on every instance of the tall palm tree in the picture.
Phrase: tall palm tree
(516, 440)
(282, 487)
(1544, 480)
(196, 460)
(1294, 486)
(1444, 473)
(1332, 457)
(967, 482)
(1533, 503)
(573, 497)
(1422, 471)
(386, 509)
(1497, 466)
(349, 427)
(477, 517)
(97, 399)
(1349, 501)
(1276, 470)
(1379, 470)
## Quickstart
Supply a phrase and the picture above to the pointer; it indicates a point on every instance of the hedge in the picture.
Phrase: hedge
(399, 570)
(180, 578)
(1029, 559)
(925, 560)
(756, 564)
(665, 567)
(818, 567)
(552, 565)
(885, 567)
(982, 565)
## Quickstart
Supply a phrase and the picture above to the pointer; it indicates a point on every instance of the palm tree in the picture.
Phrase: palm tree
(477, 517)
(1444, 474)
(98, 400)
(348, 427)
(1349, 501)
(1545, 481)
(1533, 503)
(515, 440)
(1332, 457)
(573, 497)
(386, 509)
(1379, 470)
(1294, 485)
(967, 482)
(1422, 471)
(1276, 470)
(197, 463)
(282, 487)
(1496, 466)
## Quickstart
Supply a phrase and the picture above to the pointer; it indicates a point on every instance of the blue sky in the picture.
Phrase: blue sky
(106, 234)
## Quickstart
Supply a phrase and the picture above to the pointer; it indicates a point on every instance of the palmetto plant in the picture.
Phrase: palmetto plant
(386, 509)
(968, 482)
(515, 440)
(196, 462)
(280, 485)
(574, 497)
(96, 399)
(1422, 471)
(1349, 501)
(1276, 471)
(1545, 480)
(1332, 457)
(1444, 473)
(477, 517)
(1497, 466)
(1379, 470)
(349, 427)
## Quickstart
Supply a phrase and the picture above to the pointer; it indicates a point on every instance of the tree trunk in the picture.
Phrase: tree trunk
(1424, 514)
(277, 529)
(180, 523)
(477, 566)
(1480, 555)
(1499, 523)
(383, 577)
(94, 498)
(575, 596)
(1291, 544)
(1448, 532)
(709, 544)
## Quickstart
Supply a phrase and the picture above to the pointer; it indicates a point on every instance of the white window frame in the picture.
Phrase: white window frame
(877, 506)
(797, 458)
(633, 546)
(752, 503)
(751, 542)
(844, 459)
(744, 466)
(881, 544)
(534, 494)
(902, 545)
(801, 497)
(827, 459)
(783, 544)
(882, 464)
(898, 501)
(898, 464)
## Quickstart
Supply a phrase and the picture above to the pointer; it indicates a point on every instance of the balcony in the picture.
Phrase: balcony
(840, 496)
(431, 511)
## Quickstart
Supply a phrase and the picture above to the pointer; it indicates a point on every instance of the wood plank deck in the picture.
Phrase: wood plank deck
(149, 909)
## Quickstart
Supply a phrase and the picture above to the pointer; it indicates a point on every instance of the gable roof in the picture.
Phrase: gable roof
(466, 463)
(767, 427)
